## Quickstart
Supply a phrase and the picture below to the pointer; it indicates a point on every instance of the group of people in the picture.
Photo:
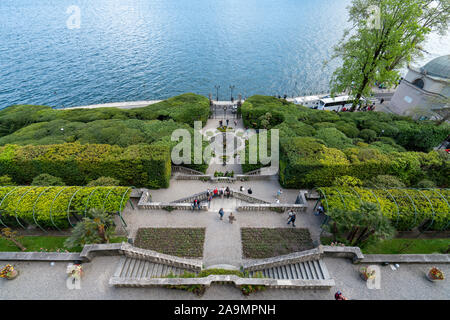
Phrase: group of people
(361, 108)
(231, 217)
(221, 124)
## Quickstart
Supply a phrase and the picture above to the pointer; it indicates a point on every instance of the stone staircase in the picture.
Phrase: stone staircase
(305, 270)
(134, 268)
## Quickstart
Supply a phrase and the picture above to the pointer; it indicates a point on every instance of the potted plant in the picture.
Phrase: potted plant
(8, 272)
(434, 274)
(367, 274)
(75, 271)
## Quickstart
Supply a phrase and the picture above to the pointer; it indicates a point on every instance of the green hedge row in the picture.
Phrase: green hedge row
(76, 164)
(406, 208)
(48, 207)
(308, 162)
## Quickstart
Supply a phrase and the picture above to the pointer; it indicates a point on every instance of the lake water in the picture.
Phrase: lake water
(128, 50)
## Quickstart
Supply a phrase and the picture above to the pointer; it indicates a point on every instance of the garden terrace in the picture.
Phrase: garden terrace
(57, 207)
(406, 208)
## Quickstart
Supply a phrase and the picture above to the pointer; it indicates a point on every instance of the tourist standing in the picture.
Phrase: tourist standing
(221, 213)
(231, 218)
(196, 204)
(227, 122)
(235, 123)
(242, 189)
(216, 192)
(250, 191)
(209, 200)
(228, 192)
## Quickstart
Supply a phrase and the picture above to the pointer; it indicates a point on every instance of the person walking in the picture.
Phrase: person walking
(227, 122)
(235, 123)
(221, 213)
(231, 218)
(292, 218)
(228, 192)
(279, 192)
(216, 192)
(250, 191)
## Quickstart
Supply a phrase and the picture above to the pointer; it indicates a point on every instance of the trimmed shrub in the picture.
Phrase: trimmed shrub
(426, 184)
(6, 181)
(76, 164)
(45, 179)
(348, 181)
(104, 181)
(333, 138)
(386, 181)
(368, 135)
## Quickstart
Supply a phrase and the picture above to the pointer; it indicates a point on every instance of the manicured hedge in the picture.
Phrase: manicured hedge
(185, 108)
(138, 165)
(406, 208)
(49, 207)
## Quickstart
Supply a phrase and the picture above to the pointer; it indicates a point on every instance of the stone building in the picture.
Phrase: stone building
(425, 92)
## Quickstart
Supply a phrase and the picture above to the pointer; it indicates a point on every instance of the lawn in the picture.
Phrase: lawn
(402, 246)
(259, 243)
(44, 243)
(181, 242)
(408, 246)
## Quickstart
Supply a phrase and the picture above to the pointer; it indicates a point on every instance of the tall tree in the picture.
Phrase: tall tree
(372, 51)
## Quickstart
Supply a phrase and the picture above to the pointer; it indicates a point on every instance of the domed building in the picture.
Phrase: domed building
(425, 92)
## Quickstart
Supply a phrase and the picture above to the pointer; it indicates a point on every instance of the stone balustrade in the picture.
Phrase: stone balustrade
(169, 206)
(157, 257)
(281, 207)
(185, 170)
(237, 281)
(260, 264)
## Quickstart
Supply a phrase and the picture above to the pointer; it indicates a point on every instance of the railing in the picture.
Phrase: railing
(186, 170)
(156, 257)
(277, 207)
(261, 264)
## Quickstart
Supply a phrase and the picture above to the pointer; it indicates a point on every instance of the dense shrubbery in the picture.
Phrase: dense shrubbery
(185, 108)
(103, 181)
(152, 125)
(319, 146)
(406, 208)
(76, 164)
(49, 206)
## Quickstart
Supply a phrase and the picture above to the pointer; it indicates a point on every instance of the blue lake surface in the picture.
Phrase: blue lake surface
(128, 50)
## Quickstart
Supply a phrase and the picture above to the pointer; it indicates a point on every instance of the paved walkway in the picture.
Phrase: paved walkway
(40, 280)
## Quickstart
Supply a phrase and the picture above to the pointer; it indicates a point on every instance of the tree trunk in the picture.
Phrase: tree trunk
(352, 234)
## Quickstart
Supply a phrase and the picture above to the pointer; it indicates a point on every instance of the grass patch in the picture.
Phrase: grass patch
(259, 243)
(44, 244)
(408, 246)
(181, 242)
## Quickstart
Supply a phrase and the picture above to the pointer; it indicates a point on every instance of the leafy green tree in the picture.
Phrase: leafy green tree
(103, 181)
(373, 53)
(97, 229)
(357, 227)
(46, 179)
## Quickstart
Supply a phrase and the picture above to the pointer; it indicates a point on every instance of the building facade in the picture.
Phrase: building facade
(425, 92)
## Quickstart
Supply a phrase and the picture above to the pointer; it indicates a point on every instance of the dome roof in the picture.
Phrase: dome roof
(439, 67)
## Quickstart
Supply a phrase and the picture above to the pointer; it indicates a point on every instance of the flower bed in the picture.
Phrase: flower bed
(406, 208)
(260, 243)
(181, 242)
